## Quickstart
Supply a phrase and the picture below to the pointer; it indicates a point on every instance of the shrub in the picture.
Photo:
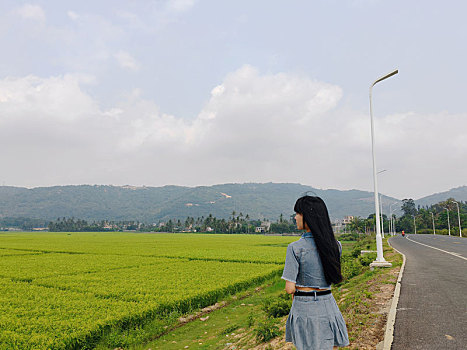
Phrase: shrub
(425, 231)
(250, 320)
(367, 259)
(356, 251)
(350, 267)
(277, 307)
(349, 237)
(266, 330)
(284, 296)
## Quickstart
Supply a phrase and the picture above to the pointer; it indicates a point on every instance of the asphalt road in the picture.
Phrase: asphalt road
(432, 309)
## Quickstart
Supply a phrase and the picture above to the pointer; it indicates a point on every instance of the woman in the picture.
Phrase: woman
(312, 264)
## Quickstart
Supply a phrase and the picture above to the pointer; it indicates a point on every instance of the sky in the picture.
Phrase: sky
(195, 92)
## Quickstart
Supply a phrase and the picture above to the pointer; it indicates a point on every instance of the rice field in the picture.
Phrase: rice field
(63, 290)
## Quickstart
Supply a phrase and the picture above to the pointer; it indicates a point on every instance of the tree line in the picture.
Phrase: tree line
(79, 225)
(236, 223)
(21, 222)
(421, 218)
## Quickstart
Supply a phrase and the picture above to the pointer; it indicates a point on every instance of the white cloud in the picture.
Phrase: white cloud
(127, 61)
(255, 127)
(73, 15)
(33, 12)
(180, 5)
(59, 98)
(252, 107)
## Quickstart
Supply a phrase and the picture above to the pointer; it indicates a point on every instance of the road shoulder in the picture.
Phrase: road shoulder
(389, 333)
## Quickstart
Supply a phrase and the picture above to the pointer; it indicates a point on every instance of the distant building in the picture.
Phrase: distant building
(340, 226)
(264, 227)
(337, 226)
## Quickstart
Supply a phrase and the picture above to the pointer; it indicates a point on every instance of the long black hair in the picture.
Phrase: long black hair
(315, 215)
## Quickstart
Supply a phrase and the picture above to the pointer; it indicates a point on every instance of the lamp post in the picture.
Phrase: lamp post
(433, 218)
(381, 206)
(449, 226)
(380, 261)
(414, 224)
(459, 217)
(382, 218)
(392, 219)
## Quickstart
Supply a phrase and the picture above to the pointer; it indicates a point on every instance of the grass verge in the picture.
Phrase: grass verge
(245, 320)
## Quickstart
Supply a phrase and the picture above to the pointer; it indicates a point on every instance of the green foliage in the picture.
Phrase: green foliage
(367, 259)
(22, 222)
(424, 217)
(284, 296)
(230, 329)
(266, 330)
(250, 320)
(424, 231)
(283, 227)
(364, 243)
(408, 207)
(277, 307)
(356, 251)
(349, 236)
(353, 263)
(350, 267)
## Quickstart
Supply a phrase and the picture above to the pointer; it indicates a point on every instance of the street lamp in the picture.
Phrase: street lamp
(393, 224)
(414, 224)
(382, 218)
(380, 261)
(381, 206)
(433, 217)
(459, 217)
(449, 226)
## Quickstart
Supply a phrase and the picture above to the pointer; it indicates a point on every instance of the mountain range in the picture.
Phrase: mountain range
(154, 204)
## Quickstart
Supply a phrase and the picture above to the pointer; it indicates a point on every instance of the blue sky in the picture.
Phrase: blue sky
(201, 92)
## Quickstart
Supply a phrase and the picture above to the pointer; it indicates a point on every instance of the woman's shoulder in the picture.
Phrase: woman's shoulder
(300, 243)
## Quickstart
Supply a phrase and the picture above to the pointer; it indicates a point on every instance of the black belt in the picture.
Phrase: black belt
(311, 293)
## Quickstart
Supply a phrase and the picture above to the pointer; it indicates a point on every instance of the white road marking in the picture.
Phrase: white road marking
(457, 255)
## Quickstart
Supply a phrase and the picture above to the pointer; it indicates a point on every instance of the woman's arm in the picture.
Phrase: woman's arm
(290, 270)
(290, 287)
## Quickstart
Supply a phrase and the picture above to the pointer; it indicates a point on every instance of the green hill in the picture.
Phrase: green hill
(459, 194)
(151, 204)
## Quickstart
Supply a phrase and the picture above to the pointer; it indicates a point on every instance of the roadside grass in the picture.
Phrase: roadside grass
(347, 246)
(243, 322)
(232, 324)
(365, 299)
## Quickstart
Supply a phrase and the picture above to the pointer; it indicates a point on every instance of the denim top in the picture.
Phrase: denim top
(303, 264)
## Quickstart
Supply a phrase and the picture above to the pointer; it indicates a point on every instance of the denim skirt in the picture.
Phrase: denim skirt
(315, 323)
